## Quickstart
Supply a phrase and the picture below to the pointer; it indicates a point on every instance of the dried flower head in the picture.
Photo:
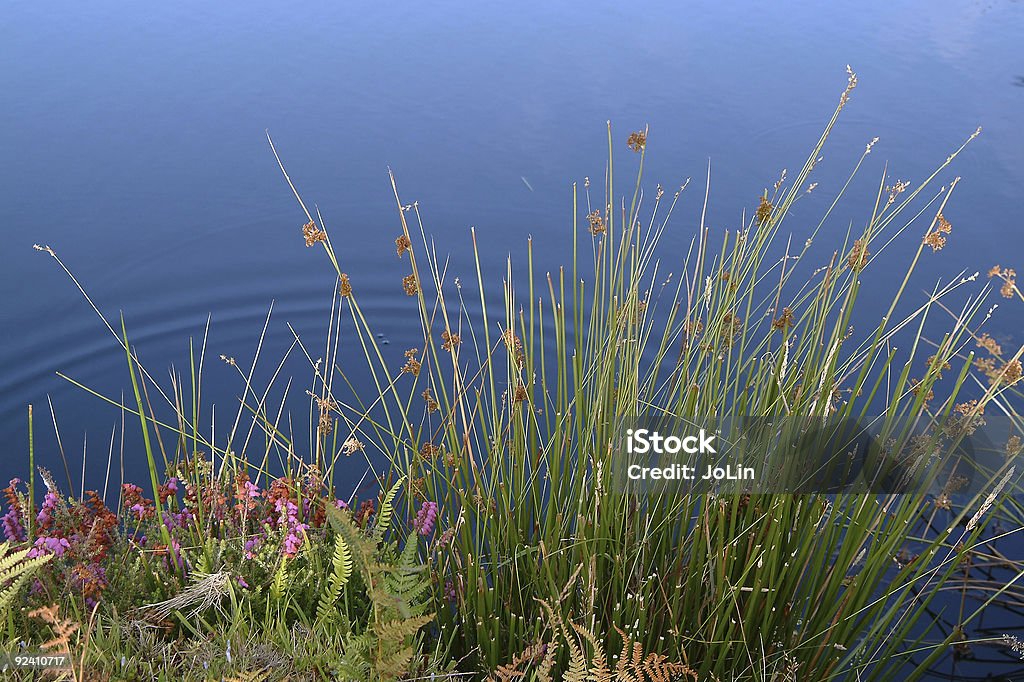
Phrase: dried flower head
(764, 211)
(429, 399)
(520, 394)
(1009, 277)
(596, 221)
(450, 341)
(428, 451)
(938, 366)
(345, 287)
(1014, 446)
(352, 445)
(935, 240)
(412, 365)
(1010, 373)
(988, 343)
(896, 190)
(402, 244)
(637, 141)
(784, 321)
(916, 388)
(410, 285)
(514, 347)
(859, 255)
(732, 328)
(313, 234)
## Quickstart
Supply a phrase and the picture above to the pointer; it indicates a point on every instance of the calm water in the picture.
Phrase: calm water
(133, 144)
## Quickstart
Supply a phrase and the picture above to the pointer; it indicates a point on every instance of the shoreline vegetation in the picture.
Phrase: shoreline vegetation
(498, 547)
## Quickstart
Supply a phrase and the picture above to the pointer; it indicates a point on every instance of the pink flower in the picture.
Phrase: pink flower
(426, 518)
(44, 546)
(13, 529)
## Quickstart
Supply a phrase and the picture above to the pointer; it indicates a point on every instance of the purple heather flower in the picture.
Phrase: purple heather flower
(341, 504)
(13, 529)
(426, 518)
(250, 489)
(47, 508)
(44, 546)
(241, 582)
(172, 485)
(291, 544)
(140, 511)
(251, 545)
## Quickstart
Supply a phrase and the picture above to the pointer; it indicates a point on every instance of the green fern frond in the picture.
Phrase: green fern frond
(280, 583)
(386, 511)
(342, 571)
(15, 570)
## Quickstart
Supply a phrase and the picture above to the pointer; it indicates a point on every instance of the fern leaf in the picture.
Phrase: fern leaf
(342, 563)
(280, 582)
(386, 510)
(15, 571)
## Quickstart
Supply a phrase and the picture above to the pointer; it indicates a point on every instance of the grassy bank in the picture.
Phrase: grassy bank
(503, 542)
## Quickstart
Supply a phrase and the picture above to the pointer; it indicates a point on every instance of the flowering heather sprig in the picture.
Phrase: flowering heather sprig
(46, 545)
(288, 519)
(252, 545)
(173, 559)
(91, 579)
(93, 514)
(449, 591)
(246, 493)
(169, 489)
(133, 501)
(14, 530)
(45, 517)
(426, 518)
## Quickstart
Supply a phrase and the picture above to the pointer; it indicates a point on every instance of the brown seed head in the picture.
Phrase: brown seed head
(784, 321)
(764, 211)
(637, 141)
(345, 288)
(450, 341)
(313, 234)
(429, 399)
(412, 365)
(988, 343)
(410, 285)
(859, 255)
(402, 244)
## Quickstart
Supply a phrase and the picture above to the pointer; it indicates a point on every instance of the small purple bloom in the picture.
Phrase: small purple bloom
(13, 529)
(44, 546)
(426, 518)
(47, 508)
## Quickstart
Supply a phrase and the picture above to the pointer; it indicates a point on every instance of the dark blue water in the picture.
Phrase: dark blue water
(133, 143)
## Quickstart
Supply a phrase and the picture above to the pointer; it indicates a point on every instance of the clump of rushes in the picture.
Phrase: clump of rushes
(761, 585)
(503, 503)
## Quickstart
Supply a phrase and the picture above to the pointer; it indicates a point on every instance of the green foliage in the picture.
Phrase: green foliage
(400, 595)
(15, 570)
(341, 565)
